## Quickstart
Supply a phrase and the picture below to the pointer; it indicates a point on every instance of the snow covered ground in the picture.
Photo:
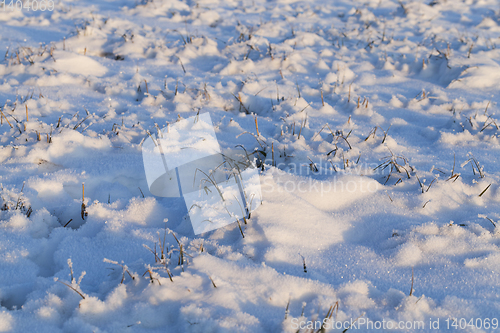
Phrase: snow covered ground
(378, 132)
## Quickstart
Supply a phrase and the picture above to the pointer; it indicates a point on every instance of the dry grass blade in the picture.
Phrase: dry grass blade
(124, 269)
(372, 133)
(181, 251)
(485, 125)
(154, 141)
(162, 243)
(152, 279)
(169, 274)
(385, 133)
(302, 124)
(308, 105)
(182, 65)
(392, 161)
(475, 166)
(259, 141)
(213, 283)
(4, 117)
(322, 128)
(453, 169)
(421, 185)
(303, 263)
(209, 179)
(486, 189)
(345, 138)
(328, 317)
(486, 217)
(70, 287)
(83, 212)
(19, 198)
(238, 98)
(312, 165)
(157, 259)
(430, 184)
(256, 126)
(77, 125)
(181, 257)
(286, 309)
(412, 279)
(241, 230)
(68, 223)
(479, 169)
(272, 154)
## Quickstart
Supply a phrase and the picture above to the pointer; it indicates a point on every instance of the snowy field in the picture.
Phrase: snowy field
(378, 146)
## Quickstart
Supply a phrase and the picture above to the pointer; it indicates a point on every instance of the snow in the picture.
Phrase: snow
(372, 124)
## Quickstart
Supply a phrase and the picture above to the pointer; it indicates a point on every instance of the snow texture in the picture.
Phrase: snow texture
(372, 124)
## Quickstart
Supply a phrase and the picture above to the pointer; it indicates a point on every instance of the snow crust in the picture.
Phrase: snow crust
(373, 125)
